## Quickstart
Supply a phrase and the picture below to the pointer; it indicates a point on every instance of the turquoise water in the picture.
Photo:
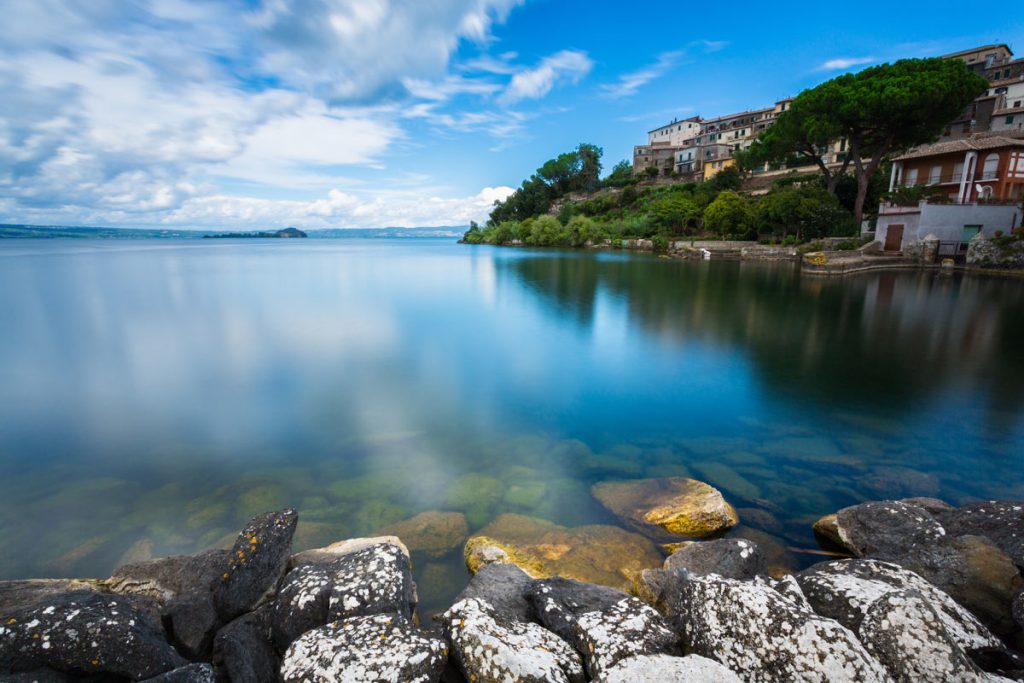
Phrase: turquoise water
(156, 393)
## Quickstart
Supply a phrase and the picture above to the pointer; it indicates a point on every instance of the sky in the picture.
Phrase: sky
(241, 114)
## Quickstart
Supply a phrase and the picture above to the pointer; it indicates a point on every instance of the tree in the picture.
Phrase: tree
(621, 175)
(729, 215)
(807, 211)
(674, 213)
(578, 170)
(880, 111)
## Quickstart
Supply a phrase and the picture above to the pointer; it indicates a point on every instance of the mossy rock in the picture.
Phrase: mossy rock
(525, 495)
(256, 501)
(434, 533)
(473, 489)
(725, 477)
(376, 514)
(208, 516)
(374, 486)
(676, 505)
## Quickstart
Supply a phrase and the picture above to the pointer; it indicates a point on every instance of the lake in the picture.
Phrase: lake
(154, 394)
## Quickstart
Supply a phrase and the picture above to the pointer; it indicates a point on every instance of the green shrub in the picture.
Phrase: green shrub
(660, 243)
(730, 215)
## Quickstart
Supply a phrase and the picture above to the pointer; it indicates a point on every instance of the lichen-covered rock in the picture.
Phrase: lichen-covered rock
(603, 624)
(1000, 521)
(503, 587)
(491, 649)
(15, 595)
(193, 621)
(258, 560)
(1018, 609)
(598, 553)
(885, 529)
(86, 633)
(975, 573)
(244, 651)
(762, 635)
(844, 590)
(434, 533)
(164, 578)
(690, 669)
(728, 557)
(677, 505)
(368, 649)
(906, 635)
(788, 588)
(373, 580)
(347, 547)
(193, 673)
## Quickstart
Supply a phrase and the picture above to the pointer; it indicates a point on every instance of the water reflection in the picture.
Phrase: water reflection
(154, 395)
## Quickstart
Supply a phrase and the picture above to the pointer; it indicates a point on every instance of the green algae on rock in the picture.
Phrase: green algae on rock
(597, 553)
(679, 506)
(435, 533)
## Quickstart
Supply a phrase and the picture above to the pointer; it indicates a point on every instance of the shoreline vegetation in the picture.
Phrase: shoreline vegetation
(910, 590)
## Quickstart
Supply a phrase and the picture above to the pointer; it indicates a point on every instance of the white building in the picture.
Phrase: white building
(676, 133)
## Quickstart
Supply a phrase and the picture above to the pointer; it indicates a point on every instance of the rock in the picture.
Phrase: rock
(897, 482)
(36, 676)
(503, 587)
(164, 578)
(886, 529)
(933, 506)
(905, 634)
(85, 633)
(243, 650)
(346, 547)
(435, 533)
(15, 595)
(690, 669)
(258, 560)
(603, 624)
(844, 589)
(754, 630)
(975, 573)
(680, 506)
(761, 519)
(789, 588)
(373, 580)
(193, 673)
(1018, 609)
(827, 529)
(489, 648)
(193, 622)
(1000, 521)
(380, 647)
(728, 557)
(600, 554)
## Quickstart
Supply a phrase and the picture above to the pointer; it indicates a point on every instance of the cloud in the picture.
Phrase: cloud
(565, 66)
(628, 84)
(842, 63)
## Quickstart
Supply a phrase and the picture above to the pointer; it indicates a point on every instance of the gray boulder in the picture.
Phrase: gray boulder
(86, 633)
(689, 669)
(1000, 521)
(193, 673)
(380, 647)
(503, 587)
(1018, 609)
(754, 630)
(258, 560)
(15, 595)
(193, 620)
(732, 558)
(490, 648)
(603, 624)
(36, 676)
(374, 580)
(844, 590)
(244, 651)
(168, 577)
(886, 529)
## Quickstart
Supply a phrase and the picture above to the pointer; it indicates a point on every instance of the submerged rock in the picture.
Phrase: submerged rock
(435, 533)
(503, 587)
(603, 624)
(727, 557)
(680, 506)
(258, 560)
(489, 648)
(380, 647)
(86, 633)
(600, 554)
(373, 580)
(1000, 521)
(689, 669)
(754, 630)
(844, 590)
(193, 673)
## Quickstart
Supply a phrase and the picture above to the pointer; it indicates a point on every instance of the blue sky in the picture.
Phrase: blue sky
(366, 113)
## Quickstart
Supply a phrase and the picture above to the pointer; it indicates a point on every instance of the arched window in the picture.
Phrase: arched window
(988, 171)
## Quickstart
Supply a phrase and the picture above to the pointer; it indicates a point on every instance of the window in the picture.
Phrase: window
(1006, 73)
(842, 145)
(1016, 104)
(911, 177)
(1009, 120)
(936, 175)
(970, 231)
(958, 172)
(988, 172)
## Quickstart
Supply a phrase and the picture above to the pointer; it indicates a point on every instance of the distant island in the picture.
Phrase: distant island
(287, 233)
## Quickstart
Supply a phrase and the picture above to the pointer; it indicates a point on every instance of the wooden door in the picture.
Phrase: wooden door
(894, 238)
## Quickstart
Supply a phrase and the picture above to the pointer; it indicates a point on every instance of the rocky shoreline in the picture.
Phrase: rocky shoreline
(926, 592)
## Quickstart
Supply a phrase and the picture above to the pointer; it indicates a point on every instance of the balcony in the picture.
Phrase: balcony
(952, 178)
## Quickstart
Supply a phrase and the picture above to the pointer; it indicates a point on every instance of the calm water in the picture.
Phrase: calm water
(155, 394)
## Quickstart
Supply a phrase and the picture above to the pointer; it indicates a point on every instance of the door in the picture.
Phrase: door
(894, 238)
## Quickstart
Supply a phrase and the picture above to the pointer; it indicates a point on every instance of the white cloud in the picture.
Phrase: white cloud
(628, 84)
(842, 63)
(565, 66)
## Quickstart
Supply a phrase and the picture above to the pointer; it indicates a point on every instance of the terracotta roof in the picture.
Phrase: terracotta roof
(978, 49)
(976, 143)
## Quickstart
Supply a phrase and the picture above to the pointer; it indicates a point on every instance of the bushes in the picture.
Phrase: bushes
(674, 213)
(730, 215)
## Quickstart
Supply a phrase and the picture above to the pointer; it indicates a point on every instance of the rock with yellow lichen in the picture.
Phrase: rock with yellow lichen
(257, 562)
(676, 505)
(601, 554)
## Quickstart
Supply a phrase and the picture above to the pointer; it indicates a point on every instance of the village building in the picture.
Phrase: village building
(977, 186)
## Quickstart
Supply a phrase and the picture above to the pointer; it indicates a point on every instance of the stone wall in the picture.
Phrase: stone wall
(996, 253)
